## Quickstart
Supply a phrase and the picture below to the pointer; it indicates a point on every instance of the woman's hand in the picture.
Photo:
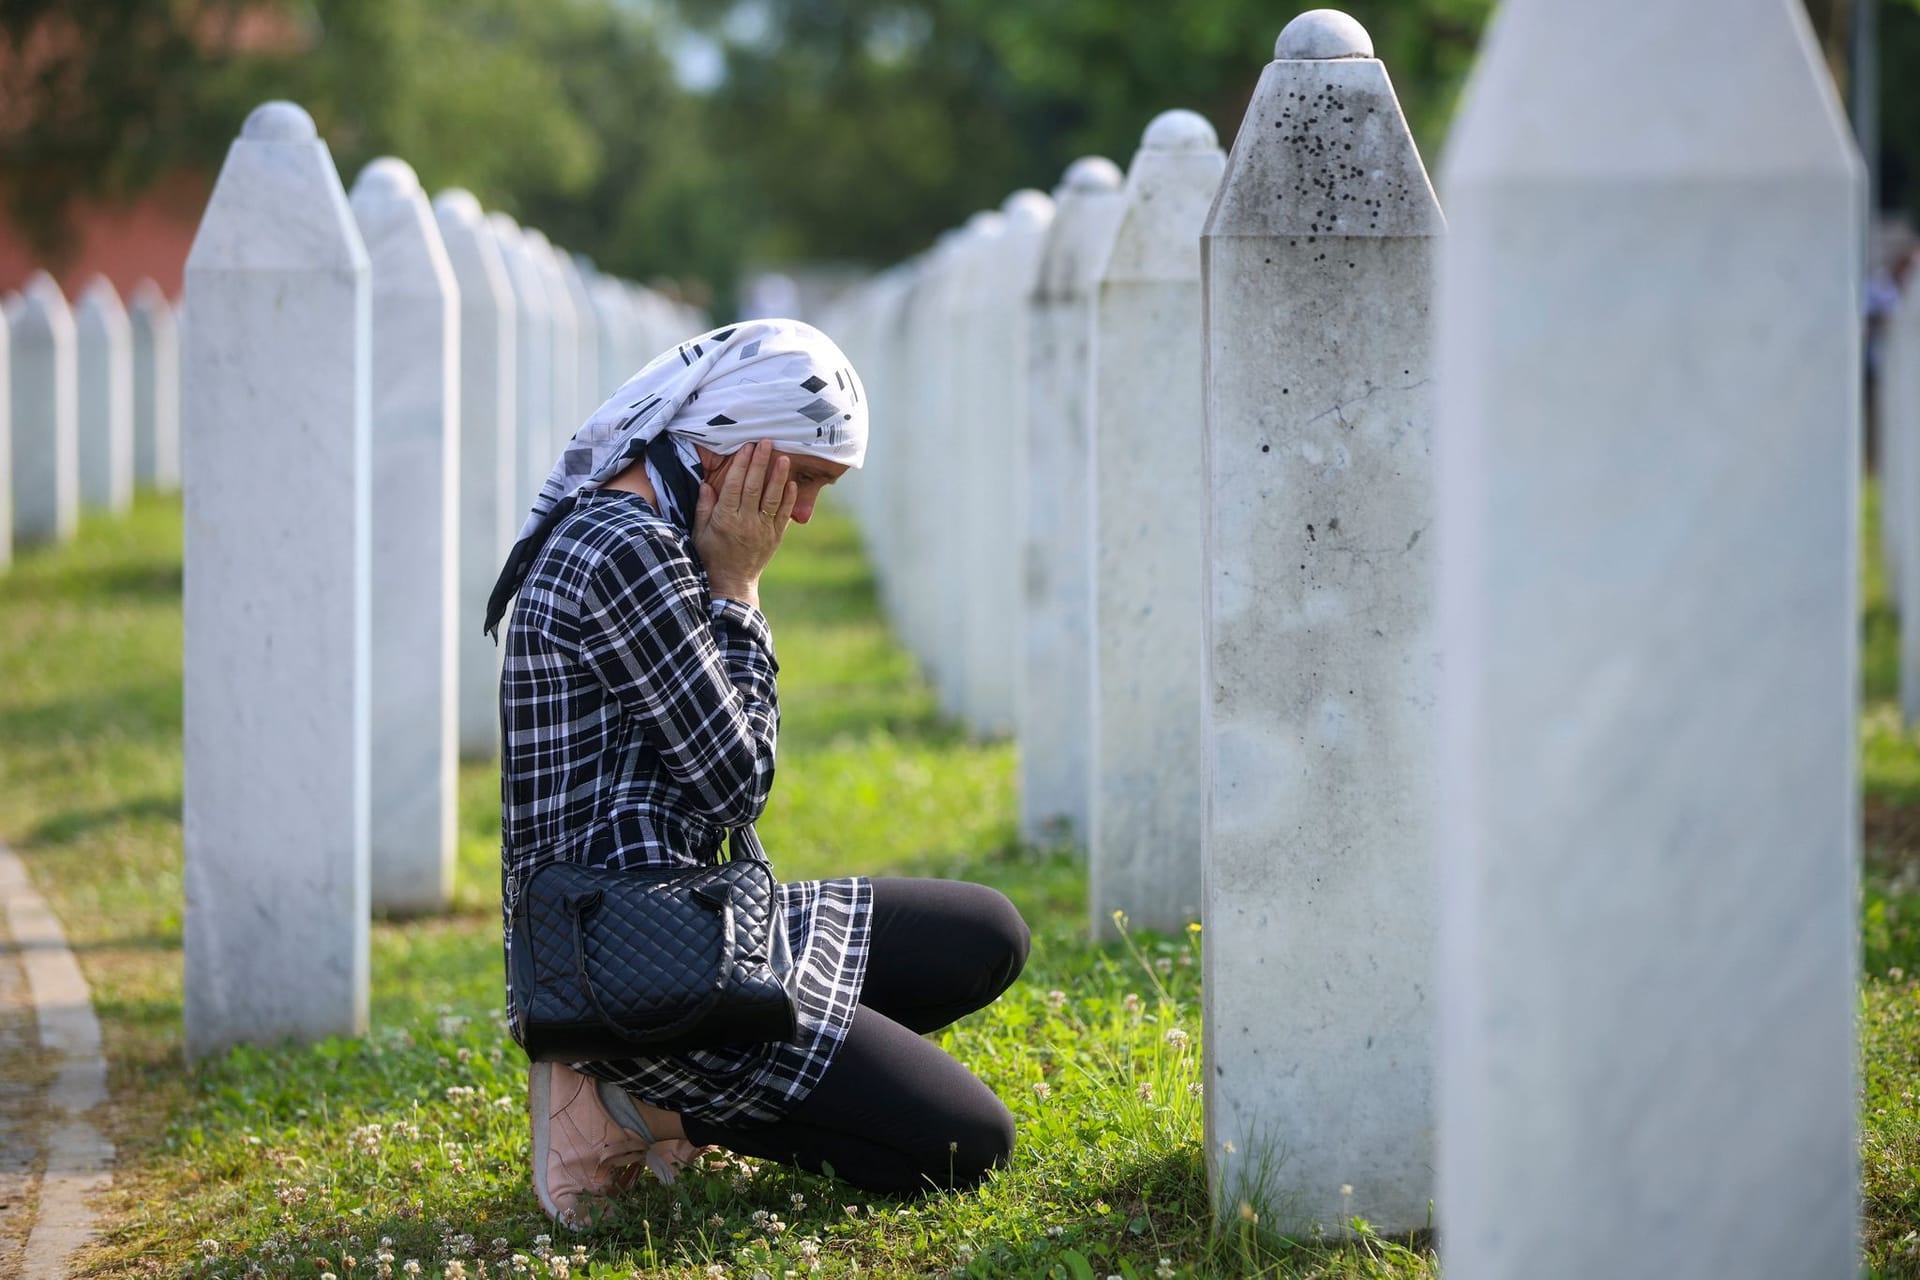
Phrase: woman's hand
(738, 525)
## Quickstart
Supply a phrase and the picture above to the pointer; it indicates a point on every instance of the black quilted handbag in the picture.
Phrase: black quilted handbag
(624, 963)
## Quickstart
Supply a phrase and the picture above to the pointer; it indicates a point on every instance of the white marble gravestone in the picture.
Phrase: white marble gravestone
(156, 389)
(489, 513)
(1321, 654)
(276, 687)
(416, 548)
(1143, 835)
(612, 319)
(1648, 327)
(996, 439)
(1898, 409)
(1055, 718)
(533, 389)
(46, 430)
(563, 385)
(589, 387)
(103, 369)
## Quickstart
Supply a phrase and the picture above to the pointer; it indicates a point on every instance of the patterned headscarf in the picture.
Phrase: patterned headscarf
(778, 380)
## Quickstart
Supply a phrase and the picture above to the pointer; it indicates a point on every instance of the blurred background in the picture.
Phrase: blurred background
(697, 144)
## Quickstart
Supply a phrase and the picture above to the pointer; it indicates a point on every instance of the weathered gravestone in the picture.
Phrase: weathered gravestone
(490, 514)
(46, 430)
(156, 389)
(1055, 718)
(415, 567)
(276, 597)
(1147, 500)
(533, 390)
(103, 369)
(1321, 658)
(1648, 327)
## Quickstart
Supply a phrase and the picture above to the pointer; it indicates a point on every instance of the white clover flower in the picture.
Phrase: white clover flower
(456, 1270)
(716, 1221)
(1145, 1090)
(1163, 965)
(1056, 999)
(716, 1272)
(1041, 1089)
(210, 1247)
(1176, 1038)
(1165, 1270)
(1054, 1233)
(797, 1200)
(1195, 1089)
(410, 1267)
(1131, 1003)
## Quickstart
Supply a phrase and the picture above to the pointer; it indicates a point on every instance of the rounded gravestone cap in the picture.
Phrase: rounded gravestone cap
(1092, 174)
(279, 122)
(1321, 34)
(1028, 209)
(99, 292)
(457, 204)
(987, 222)
(148, 294)
(1179, 130)
(387, 178)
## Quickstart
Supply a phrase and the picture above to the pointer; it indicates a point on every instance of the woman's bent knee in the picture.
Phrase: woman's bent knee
(984, 1143)
(1012, 939)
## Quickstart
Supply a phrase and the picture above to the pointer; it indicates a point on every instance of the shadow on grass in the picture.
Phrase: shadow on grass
(130, 708)
(71, 824)
(136, 581)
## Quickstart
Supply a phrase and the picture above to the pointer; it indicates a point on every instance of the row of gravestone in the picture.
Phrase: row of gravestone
(373, 390)
(1459, 617)
(89, 406)
(1897, 416)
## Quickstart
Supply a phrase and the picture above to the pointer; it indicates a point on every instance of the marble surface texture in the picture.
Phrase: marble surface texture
(156, 388)
(1321, 657)
(1146, 508)
(103, 369)
(1055, 724)
(489, 516)
(276, 598)
(1648, 551)
(46, 432)
(1898, 405)
(415, 410)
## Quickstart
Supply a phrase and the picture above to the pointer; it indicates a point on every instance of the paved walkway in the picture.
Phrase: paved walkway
(38, 974)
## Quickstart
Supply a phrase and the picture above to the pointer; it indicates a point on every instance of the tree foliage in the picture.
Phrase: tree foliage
(850, 129)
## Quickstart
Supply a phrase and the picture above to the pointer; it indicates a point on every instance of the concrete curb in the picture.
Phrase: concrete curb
(79, 1159)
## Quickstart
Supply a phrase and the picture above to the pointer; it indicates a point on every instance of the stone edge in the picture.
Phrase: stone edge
(79, 1159)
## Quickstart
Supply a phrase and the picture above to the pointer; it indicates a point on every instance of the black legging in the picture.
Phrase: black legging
(895, 1114)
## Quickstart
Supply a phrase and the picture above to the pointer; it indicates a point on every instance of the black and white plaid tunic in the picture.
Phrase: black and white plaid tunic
(640, 716)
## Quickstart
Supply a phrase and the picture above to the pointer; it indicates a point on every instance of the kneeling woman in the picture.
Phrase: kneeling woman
(639, 709)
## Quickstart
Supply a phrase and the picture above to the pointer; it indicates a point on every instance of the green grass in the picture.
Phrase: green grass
(287, 1161)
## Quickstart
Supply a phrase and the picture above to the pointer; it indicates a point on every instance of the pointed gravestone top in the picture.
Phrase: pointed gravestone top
(387, 178)
(279, 122)
(42, 307)
(1028, 210)
(1324, 150)
(1179, 130)
(148, 296)
(1170, 185)
(100, 298)
(1089, 175)
(1323, 33)
(457, 204)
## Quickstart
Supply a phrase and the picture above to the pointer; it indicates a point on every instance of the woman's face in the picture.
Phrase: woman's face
(810, 473)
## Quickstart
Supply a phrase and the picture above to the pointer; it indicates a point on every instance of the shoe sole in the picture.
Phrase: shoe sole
(539, 1097)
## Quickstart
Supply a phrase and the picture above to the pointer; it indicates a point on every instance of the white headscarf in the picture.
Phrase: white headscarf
(778, 380)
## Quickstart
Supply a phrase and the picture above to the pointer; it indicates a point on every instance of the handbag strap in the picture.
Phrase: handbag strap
(579, 906)
(745, 842)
